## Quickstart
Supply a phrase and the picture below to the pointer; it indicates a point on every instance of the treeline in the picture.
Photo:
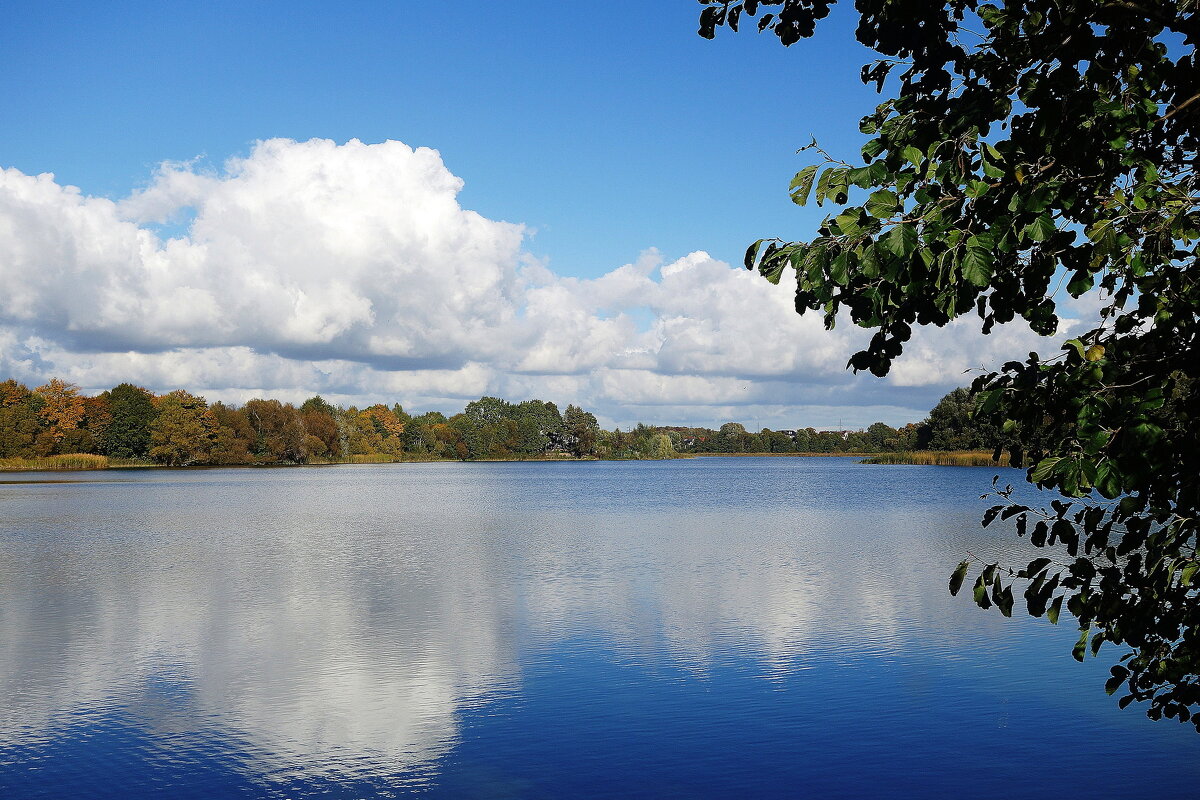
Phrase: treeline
(949, 426)
(128, 423)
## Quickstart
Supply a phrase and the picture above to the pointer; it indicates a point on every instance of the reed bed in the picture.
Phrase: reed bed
(941, 458)
(69, 461)
(840, 454)
(370, 458)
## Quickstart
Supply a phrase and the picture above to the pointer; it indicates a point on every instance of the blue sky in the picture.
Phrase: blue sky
(608, 128)
(427, 202)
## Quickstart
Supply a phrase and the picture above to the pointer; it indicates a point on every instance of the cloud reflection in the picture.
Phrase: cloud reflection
(341, 620)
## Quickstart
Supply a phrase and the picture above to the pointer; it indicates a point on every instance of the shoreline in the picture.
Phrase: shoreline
(953, 458)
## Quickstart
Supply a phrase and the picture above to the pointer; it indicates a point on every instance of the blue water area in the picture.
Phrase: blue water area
(737, 627)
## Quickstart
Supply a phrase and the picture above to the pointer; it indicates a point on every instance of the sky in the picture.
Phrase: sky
(428, 202)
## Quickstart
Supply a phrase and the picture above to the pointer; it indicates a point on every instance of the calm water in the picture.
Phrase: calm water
(702, 628)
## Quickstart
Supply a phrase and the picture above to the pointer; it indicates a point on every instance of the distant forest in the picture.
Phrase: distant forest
(130, 424)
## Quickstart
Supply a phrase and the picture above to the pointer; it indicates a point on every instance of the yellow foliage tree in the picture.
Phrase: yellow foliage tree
(63, 407)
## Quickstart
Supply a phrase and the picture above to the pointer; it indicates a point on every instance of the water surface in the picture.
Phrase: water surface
(699, 628)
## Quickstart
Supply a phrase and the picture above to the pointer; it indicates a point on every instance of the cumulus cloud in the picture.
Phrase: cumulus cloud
(353, 271)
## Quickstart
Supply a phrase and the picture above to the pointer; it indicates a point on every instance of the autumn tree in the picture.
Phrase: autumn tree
(1024, 144)
(422, 435)
(97, 417)
(234, 435)
(279, 434)
(62, 411)
(320, 422)
(383, 429)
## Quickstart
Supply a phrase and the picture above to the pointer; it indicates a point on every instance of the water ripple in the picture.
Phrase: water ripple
(702, 628)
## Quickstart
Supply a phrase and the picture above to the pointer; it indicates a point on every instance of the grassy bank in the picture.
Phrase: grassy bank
(87, 461)
(63, 462)
(778, 455)
(941, 458)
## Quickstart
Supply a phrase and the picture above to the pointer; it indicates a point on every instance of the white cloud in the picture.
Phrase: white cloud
(351, 270)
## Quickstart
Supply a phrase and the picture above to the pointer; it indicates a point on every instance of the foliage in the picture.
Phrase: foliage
(953, 425)
(279, 434)
(734, 438)
(234, 436)
(320, 423)
(132, 410)
(1029, 143)
(62, 408)
(580, 431)
(20, 423)
(184, 430)
(181, 429)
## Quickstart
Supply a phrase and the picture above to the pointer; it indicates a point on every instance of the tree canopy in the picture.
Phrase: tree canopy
(1027, 149)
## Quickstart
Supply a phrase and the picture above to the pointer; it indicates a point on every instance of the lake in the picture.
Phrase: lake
(737, 627)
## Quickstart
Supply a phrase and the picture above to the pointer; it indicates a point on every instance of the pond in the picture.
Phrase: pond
(714, 627)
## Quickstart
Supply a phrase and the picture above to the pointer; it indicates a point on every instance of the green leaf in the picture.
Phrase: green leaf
(986, 240)
(901, 240)
(981, 593)
(839, 270)
(1108, 480)
(1054, 610)
(848, 222)
(1036, 566)
(1044, 469)
(1080, 648)
(956, 580)
(882, 204)
(860, 177)
(977, 189)
(1005, 601)
(802, 184)
(868, 262)
(823, 184)
(987, 402)
(1041, 228)
(752, 253)
(913, 155)
(773, 270)
(1146, 434)
(977, 266)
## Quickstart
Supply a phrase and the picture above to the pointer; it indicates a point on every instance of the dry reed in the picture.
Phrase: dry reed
(69, 461)
(941, 458)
